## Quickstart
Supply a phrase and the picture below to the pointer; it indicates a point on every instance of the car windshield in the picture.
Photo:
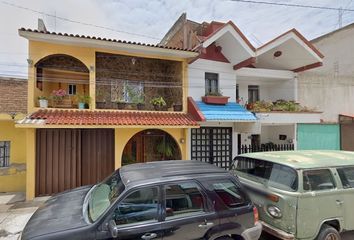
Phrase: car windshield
(103, 195)
(267, 173)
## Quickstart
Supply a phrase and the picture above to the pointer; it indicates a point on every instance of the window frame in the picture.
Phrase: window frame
(6, 145)
(254, 89)
(335, 184)
(194, 214)
(74, 87)
(208, 82)
(340, 177)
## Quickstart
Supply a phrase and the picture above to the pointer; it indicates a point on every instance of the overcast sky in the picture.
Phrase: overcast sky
(260, 23)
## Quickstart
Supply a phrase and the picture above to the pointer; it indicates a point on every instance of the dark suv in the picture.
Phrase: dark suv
(157, 200)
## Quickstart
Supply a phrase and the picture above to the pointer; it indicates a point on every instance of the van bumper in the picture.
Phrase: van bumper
(277, 232)
(253, 233)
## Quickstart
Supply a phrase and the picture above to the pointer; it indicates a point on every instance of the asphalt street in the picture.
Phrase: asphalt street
(345, 236)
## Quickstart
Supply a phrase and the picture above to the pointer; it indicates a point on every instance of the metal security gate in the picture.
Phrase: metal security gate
(212, 145)
(69, 158)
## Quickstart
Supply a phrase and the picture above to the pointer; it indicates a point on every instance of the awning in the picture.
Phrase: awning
(91, 118)
(231, 112)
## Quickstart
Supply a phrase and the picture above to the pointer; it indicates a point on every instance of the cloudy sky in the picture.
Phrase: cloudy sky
(149, 20)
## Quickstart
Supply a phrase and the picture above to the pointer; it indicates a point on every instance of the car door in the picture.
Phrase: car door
(319, 202)
(187, 213)
(137, 216)
(346, 175)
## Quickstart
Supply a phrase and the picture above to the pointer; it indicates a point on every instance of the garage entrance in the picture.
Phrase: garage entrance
(69, 158)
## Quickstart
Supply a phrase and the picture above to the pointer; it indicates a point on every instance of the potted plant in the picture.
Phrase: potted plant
(158, 103)
(215, 98)
(43, 102)
(83, 101)
(177, 107)
(121, 104)
(58, 97)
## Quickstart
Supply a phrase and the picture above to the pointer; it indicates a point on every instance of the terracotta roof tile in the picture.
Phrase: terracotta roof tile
(125, 118)
(106, 39)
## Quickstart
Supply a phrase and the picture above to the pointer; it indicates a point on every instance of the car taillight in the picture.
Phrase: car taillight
(256, 215)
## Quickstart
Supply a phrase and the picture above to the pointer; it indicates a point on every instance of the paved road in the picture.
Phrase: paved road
(345, 236)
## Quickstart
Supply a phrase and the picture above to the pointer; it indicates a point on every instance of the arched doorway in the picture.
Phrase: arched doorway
(151, 145)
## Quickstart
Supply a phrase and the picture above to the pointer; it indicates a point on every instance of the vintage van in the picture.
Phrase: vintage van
(301, 194)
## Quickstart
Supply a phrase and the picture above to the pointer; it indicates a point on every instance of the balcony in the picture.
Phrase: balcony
(127, 82)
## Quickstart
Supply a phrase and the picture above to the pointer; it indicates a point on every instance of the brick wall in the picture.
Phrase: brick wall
(13, 95)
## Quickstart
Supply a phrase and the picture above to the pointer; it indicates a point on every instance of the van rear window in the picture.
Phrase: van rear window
(268, 173)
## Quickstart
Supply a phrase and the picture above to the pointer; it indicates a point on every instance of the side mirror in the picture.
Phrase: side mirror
(113, 228)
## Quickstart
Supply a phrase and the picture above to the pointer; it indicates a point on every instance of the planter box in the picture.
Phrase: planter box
(218, 100)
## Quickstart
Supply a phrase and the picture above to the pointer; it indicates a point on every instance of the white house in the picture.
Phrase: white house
(230, 64)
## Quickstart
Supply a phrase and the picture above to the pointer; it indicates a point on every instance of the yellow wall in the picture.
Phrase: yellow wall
(123, 135)
(13, 178)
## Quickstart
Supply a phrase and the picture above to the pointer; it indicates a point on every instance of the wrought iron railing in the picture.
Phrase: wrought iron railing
(265, 148)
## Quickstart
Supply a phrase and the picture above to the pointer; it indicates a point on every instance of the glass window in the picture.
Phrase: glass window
(4, 153)
(346, 176)
(253, 93)
(183, 199)
(72, 89)
(229, 193)
(211, 83)
(267, 173)
(317, 180)
(103, 195)
(140, 206)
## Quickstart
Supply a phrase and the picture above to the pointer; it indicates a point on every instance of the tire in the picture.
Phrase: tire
(328, 233)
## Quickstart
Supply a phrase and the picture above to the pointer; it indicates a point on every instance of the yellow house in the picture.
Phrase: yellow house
(104, 103)
(13, 95)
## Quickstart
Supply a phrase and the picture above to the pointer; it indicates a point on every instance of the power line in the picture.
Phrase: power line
(77, 22)
(293, 5)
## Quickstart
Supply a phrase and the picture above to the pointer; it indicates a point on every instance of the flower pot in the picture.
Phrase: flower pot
(81, 105)
(159, 108)
(121, 105)
(43, 103)
(217, 100)
(177, 107)
(140, 106)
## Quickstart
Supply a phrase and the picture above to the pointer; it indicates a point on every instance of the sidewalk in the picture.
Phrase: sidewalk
(14, 214)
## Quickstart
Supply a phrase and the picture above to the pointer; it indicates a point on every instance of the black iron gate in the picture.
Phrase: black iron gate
(212, 145)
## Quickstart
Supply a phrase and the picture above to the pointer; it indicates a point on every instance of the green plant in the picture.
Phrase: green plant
(158, 101)
(84, 98)
(42, 98)
(214, 93)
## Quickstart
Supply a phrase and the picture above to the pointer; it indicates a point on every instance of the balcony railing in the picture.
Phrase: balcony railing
(265, 148)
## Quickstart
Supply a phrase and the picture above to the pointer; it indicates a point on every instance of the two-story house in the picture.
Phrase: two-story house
(263, 80)
(96, 104)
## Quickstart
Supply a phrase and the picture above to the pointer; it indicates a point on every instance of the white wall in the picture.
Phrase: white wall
(271, 133)
(330, 88)
(196, 75)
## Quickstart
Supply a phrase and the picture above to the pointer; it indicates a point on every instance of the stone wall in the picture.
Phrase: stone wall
(13, 95)
(158, 78)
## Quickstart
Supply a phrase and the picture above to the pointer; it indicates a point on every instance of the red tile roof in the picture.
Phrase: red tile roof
(126, 118)
(105, 39)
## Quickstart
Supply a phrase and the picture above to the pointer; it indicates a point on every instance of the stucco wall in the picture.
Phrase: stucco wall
(13, 178)
(330, 88)
(271, 133)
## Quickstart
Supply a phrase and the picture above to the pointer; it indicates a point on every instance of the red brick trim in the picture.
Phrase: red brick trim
(307, 67)
(194, 110)
(248, 62)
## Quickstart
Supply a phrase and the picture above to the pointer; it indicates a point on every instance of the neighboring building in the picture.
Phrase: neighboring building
(330, 89)
(250, 76)
(13, 106)
(122, 83)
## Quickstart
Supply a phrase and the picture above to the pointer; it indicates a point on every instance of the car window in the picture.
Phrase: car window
(183, 199)
(229, 193)
(346, 176)
(318, 180)
(141, 206)
(267, 173)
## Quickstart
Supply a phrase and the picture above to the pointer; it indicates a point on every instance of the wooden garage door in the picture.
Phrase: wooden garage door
(69, 158)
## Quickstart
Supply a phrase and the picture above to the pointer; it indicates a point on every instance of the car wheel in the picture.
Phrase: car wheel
(328, 233)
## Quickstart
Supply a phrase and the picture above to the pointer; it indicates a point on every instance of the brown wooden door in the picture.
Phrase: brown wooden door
(347, 136)
(69, 158)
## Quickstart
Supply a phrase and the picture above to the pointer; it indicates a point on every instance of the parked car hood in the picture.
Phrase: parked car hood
(61, 212)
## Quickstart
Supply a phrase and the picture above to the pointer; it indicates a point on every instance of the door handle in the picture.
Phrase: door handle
(339, 202)
(206, 225)
(148, 236)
